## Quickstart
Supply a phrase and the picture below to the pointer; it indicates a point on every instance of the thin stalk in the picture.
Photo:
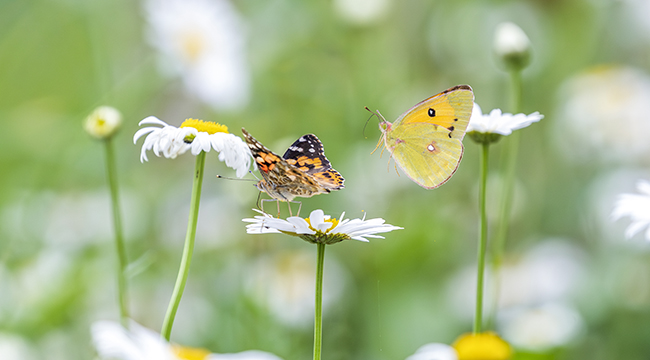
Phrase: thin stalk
(318, 313)
(507, 192)
(511, 152)
(482, 242)
(184, 269)
(122, 260)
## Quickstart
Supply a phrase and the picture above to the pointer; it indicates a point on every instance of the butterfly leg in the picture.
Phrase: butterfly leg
(262, 201)
(259, 204)
(294, 202)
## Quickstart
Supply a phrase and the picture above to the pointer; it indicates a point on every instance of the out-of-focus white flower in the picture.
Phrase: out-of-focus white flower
(637, 207)
(112, 341)
(362, 12)
(203, 42)
(498, 123)
(319, 228)
(549, 272)
(434, 351)
(541, 328)
(103, 122)
(284, 284)
(14, 347)
(603, 114)
(197, 136)
(512, 45)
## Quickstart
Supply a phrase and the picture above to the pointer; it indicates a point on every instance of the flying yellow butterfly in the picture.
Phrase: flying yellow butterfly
(426, 141)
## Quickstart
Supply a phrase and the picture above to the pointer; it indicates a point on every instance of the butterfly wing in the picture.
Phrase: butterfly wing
(426, 153)
(307, 154)
(451, 109)
(426, 140)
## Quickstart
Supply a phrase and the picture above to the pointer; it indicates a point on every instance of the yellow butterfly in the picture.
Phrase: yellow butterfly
(426, 141)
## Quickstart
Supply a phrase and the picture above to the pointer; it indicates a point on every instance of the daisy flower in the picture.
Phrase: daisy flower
(113, 341)
(319, 228)
(592, 106)
(202, 42)
(636, 207)
(196, 136)
(103, 122)
(541, 328)
(490, 127)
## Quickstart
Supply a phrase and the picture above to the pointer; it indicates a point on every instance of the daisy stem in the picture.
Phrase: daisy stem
(510, 161)
(122, 260)
(184, 269)
(482, 242)
(318, 313)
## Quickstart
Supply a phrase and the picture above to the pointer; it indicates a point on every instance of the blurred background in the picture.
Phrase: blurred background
(572, 286)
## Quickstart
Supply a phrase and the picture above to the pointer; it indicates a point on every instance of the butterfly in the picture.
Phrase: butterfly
(303, 170)
(426, 141)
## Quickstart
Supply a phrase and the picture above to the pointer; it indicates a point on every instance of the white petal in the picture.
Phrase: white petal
(316, 218)
(300, 225)
(434, 351)
(643, 186)
(152, 120)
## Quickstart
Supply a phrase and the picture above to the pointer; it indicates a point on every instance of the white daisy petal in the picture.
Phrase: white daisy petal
(434, 351)
(233, 151)
(637, 207)
(321, 228)
(300, 225)
(153, 121)
(497, 122)
(114, 342)
(170, 141)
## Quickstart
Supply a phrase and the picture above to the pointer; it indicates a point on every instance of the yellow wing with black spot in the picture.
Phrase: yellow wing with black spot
(451, 109)
(426, 141)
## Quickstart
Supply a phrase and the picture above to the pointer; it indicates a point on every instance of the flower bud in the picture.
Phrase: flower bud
(103, 122)
(512, 45)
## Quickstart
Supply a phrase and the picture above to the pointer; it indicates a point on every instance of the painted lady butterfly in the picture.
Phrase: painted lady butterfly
(303, 170)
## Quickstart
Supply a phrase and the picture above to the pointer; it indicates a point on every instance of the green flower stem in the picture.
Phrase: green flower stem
(482, 243)
(507, 193)
(318, 313)
(516, 84)
(511, 152)
(184, 269)
(122, 260)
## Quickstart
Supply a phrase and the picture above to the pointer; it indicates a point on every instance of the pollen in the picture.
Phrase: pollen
(190, 353)
(333, 221)
(205, 126)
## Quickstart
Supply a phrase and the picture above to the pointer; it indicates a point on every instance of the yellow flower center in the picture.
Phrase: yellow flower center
(192, 45)
(333, 221)
(482, 346)
(186, 353)
(205, 126)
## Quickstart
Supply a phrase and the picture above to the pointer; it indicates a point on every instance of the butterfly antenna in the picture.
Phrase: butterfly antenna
(229, 178)
(366, 124)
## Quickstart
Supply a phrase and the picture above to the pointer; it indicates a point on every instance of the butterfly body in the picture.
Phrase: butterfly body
(426, 141)
(303, 170)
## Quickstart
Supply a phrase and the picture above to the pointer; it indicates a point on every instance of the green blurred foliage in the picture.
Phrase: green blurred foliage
(313, 72)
